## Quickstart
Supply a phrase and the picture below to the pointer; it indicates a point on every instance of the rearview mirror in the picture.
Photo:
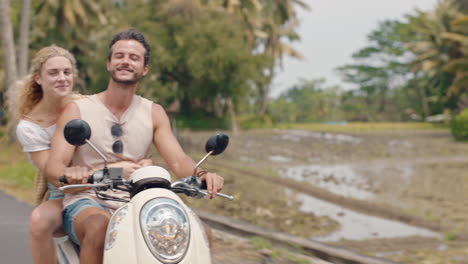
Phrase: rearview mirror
(217, 143)
(76, 132)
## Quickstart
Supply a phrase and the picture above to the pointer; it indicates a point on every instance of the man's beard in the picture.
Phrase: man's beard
(136, 78)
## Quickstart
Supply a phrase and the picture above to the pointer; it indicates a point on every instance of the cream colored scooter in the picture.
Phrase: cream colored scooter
(154, 226)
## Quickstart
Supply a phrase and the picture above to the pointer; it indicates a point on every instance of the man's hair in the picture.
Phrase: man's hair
(129, 35)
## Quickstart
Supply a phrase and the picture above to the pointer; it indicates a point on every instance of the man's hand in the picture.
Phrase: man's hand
(145, 162)
(128, 167)
(214, 183)
(76, 175)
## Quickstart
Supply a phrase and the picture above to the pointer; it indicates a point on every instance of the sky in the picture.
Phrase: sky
(331, 31)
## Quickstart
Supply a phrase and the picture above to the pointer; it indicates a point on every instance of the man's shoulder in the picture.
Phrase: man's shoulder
(143, 99)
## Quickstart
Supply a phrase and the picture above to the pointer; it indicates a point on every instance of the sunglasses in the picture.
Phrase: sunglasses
(116, 131)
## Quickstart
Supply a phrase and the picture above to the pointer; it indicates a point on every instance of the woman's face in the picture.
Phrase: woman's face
(56, 77)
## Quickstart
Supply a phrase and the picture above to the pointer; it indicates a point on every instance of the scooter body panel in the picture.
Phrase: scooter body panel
(130, 245)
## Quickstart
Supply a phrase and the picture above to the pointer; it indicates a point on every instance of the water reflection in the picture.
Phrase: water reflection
(357, 226)
(349, 180)
(298, 135)
(339, 179)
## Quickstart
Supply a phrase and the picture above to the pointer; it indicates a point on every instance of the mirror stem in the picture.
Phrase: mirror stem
(200, 162)
(99, 152)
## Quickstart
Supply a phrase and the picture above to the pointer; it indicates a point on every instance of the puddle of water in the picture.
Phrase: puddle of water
(246, 159)
(357, 226)
(347, 180)
(298, 135)
(279, 158)
(399, 143)
(339, 179)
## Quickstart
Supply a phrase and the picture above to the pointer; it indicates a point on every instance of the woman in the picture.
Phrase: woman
(42, 96)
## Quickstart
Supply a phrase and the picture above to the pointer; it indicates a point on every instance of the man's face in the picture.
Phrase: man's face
(126, 65)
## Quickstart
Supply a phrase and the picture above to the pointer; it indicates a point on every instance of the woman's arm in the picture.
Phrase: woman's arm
(40, 159)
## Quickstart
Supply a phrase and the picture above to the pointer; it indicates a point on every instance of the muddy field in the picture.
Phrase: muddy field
(400, 195)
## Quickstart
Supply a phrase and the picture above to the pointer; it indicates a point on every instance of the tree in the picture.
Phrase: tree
(379, 68)
(433, 50)
(9, 58)
(269, 24)
(458, 64)
(78, 25)
(203, 61)
(24, 37)
(308, 101)
(8, 49)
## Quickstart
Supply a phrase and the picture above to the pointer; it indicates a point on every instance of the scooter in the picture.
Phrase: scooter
(154, 225)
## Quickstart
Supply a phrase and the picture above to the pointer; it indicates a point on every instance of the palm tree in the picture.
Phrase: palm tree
(77, 25)
(269, 23)
(71, 16)
(458, 64)
(279, 23)
(433, 51)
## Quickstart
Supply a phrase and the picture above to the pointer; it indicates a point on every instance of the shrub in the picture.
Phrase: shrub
(254, 121)
(459, 126)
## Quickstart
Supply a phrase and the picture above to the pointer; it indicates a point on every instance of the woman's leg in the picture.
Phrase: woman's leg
(45, 220)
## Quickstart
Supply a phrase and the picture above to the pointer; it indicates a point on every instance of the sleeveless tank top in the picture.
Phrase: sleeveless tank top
(137, 137)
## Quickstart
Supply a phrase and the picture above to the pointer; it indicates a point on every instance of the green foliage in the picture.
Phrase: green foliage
(15, 169)
(453, 234)
(450, 236)
(412, 68)
(459, 126)
(255, 121)
(374, 72)
(19, 174)
(199, 120)
(260, 243)
(204, 53)
(309, 101)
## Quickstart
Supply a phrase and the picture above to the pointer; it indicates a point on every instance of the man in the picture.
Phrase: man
(123, 127)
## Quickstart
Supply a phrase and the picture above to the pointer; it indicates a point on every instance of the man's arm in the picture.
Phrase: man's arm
(173, 154)
(61, 152)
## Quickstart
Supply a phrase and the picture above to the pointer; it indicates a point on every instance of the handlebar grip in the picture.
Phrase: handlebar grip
(63, 179)
(203, 185)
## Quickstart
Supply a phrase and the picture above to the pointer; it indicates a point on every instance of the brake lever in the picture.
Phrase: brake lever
(73, 186)
(218, 194)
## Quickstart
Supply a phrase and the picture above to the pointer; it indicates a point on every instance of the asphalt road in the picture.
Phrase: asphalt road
(14, 220)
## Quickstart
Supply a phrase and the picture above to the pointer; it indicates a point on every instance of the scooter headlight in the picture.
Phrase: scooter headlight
(114, 226)
(166, 229)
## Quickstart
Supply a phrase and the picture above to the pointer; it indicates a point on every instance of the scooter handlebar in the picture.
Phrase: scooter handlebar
(63, 179)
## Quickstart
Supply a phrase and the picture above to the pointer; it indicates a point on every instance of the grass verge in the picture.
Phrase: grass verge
(16, 173)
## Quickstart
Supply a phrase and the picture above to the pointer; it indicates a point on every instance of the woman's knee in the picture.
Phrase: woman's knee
(44, 221)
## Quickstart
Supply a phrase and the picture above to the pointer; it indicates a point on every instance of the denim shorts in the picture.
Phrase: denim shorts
(54, 193)
(72, 211)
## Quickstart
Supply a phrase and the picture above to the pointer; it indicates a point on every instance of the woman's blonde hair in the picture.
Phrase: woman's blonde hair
(29, 92)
